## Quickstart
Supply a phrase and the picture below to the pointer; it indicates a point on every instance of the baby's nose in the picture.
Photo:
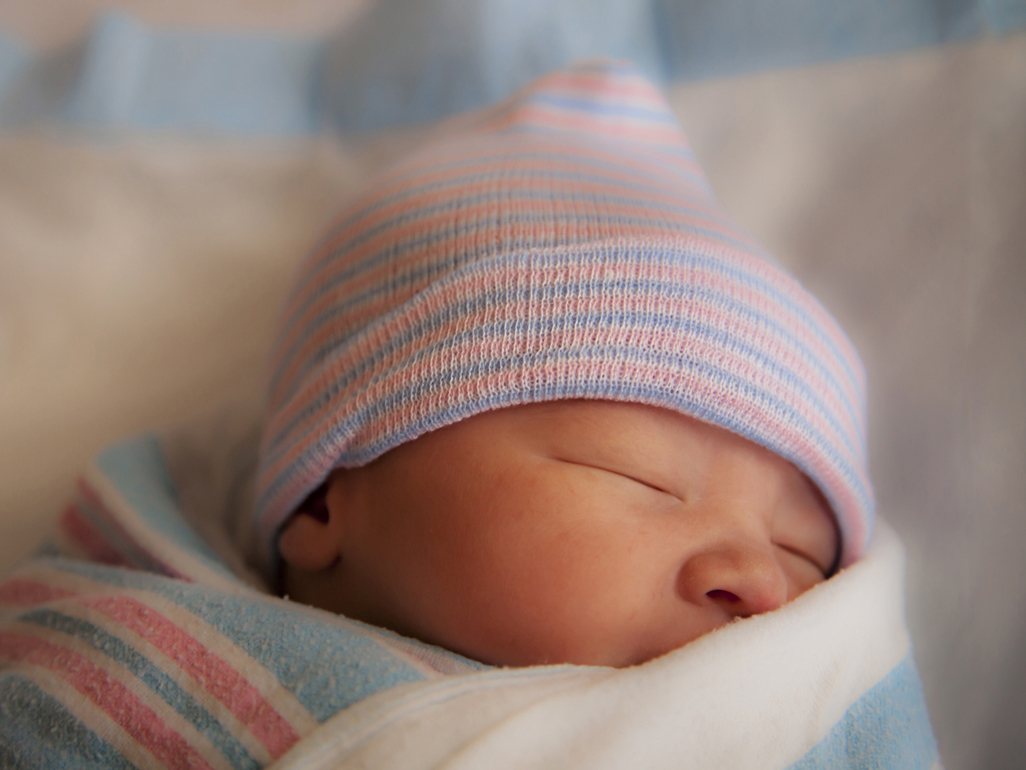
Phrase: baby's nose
(740, 579)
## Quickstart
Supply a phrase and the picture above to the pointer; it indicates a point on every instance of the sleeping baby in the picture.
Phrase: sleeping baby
(536, 399)
(533, 399)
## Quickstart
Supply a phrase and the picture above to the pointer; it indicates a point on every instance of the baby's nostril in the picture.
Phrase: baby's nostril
(718, 595)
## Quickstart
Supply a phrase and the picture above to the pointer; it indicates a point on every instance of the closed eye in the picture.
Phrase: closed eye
(805, 557)
(635, 479)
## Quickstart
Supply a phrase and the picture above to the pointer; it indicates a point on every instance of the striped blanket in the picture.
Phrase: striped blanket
(134, 642)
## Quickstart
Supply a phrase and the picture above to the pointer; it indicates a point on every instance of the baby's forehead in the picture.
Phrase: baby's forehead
(626, 436)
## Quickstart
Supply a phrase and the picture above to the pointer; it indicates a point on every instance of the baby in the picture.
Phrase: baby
(536, 399)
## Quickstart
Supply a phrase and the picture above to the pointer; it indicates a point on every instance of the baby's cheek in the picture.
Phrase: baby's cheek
(549, 608)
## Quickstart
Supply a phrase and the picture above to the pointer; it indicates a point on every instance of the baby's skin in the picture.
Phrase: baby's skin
(586, 532)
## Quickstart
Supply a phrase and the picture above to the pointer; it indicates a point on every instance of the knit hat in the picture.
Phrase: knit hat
(563, 244)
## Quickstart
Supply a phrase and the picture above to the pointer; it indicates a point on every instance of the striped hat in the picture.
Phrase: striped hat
(563, 244)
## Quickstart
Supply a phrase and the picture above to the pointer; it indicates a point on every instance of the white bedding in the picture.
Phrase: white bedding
(139, 280)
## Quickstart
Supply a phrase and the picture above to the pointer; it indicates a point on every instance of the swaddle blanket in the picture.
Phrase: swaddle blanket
(137, 642)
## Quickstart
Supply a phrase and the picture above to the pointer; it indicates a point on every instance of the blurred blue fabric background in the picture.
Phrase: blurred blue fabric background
(408, 61)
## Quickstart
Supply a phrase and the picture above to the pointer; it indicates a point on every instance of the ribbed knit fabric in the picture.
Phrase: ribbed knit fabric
(561, 244)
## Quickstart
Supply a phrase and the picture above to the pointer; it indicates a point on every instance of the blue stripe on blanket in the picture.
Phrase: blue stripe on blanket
(138, 469)
(326, 664)
(887, 728)
(36, 731)
(127, 548)
(158, 681)
(406, 61)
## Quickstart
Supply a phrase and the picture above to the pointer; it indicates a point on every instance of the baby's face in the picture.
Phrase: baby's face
(568, 532)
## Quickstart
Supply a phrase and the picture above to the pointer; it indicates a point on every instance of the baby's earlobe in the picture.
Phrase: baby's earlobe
(306, 544)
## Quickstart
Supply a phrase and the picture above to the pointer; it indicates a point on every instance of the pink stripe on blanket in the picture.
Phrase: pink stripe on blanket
(151, 563)
(26, 593)
(217, 676)
(112, 697)
(80, 530)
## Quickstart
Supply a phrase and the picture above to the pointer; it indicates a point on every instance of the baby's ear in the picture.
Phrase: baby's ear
(311, 539)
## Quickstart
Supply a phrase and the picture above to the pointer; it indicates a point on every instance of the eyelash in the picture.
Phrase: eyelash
(642, 482)
(623, 475)
(804, 556)
(645, 484)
